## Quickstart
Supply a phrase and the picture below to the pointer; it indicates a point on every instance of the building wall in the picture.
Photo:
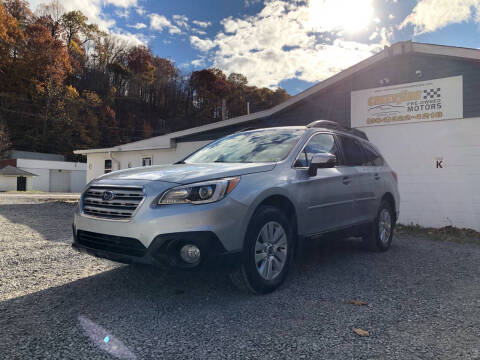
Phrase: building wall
(78, 180)
(130, 159)
(74, 175)
(42, 181)
(431, 196)
(8, 183)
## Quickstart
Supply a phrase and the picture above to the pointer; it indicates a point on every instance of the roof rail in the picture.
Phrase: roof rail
(327, 124)
(245, 129)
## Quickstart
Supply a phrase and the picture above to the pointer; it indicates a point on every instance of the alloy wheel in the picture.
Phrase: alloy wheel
(271, 250)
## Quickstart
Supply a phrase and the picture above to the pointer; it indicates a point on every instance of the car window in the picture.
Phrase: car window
(268, 145)
(372, 157)
(352, 151)
(320, 143)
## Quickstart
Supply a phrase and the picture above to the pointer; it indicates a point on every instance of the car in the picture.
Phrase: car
(245, 203)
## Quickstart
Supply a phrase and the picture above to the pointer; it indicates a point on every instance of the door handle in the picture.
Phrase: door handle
(346, 180)
(377, 177)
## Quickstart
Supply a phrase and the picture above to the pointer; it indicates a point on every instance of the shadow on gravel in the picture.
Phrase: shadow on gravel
(52, 219)
(131, 303)
(142, 312)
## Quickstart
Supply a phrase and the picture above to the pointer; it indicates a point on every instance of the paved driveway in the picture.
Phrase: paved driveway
(423, 301)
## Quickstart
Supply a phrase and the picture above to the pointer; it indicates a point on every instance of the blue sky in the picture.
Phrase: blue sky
(288, 43)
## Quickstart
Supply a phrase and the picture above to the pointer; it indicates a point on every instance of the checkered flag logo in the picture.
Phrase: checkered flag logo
(431, 94)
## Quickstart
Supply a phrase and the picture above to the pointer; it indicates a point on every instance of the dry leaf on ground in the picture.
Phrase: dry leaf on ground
(361, 332)
(358, 302)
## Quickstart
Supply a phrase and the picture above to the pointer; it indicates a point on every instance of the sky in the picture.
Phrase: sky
(288, 43)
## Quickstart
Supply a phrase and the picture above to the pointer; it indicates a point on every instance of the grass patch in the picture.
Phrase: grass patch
(25, 192)
(447, 233)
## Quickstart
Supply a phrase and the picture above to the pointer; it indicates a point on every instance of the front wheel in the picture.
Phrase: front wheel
(267, 254)
(380, 235)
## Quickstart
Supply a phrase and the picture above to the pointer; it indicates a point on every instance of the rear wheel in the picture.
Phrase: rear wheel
(380, 235)
(267, 253)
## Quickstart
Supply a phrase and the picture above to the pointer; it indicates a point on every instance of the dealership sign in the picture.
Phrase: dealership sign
(438, 99)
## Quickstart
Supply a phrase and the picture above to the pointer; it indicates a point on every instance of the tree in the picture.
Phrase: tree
(51, 14)
(64, 84)
(4, 138)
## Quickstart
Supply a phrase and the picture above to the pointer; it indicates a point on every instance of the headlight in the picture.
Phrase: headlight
(199, 193)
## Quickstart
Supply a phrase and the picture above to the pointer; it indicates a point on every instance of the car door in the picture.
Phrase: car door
(371, 183)
(354, 159)
(327, 198)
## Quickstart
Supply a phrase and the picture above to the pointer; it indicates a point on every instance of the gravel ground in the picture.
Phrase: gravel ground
(423, 301)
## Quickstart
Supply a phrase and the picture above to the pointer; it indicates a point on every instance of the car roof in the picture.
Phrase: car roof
(309, 130)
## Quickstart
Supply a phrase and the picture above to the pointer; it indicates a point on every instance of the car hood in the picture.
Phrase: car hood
(187, 173)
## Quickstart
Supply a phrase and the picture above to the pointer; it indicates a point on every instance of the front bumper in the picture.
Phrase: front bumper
(220, 225)
(162, 252)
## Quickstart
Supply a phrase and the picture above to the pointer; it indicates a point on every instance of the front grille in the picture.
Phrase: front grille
(110, 243)
(122, 206)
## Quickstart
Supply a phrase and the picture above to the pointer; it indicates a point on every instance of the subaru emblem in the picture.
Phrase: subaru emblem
(108, 195)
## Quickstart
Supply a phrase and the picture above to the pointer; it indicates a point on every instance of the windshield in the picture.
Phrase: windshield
(249, 147)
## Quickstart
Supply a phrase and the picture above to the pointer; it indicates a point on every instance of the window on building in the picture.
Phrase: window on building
(320, 143)
(108, 166)
(352, 151)
(147, 161)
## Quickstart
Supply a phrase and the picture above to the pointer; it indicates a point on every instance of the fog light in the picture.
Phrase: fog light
(190, 254)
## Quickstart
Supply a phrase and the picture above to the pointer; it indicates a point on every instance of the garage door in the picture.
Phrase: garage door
(59, 181)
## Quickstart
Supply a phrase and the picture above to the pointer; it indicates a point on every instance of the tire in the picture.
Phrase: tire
(380, 235)
(267, 254)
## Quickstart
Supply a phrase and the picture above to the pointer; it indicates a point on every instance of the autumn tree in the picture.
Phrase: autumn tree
(64, 84)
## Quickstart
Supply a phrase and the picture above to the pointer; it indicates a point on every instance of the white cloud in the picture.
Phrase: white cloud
(181, 20)
(92, 9)
(202, 24)
(128, 38)
(201, 44)
(198, 62)
(288, 39)
(160, 23)
(173, 30)
(138, 26)
(122, 13)
(251, 2)
(430, 15)
(199, 32)
(140, 10)
(122, 3)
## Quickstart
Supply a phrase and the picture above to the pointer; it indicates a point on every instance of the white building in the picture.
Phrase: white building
(419, 103)
(48, 172)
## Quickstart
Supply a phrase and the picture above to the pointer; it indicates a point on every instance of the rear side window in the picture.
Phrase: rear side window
(372, 157)
(352, 151)
(320, 143)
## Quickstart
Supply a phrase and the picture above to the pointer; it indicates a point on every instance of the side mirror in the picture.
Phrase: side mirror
(321, 161)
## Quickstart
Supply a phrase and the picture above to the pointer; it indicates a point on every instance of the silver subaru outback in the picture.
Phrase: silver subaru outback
(246, 202)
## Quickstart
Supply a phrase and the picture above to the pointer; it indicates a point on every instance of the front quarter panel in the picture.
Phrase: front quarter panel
(253, 189)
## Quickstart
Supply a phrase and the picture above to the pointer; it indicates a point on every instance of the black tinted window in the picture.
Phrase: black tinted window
(372, 157)
(352, 151)
(321, 143)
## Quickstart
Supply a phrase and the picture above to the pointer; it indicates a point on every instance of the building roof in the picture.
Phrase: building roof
(167, 141)
(14, 171)
(20, 154)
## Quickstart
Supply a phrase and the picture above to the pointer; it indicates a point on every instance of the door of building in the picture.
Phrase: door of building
(21, 183)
